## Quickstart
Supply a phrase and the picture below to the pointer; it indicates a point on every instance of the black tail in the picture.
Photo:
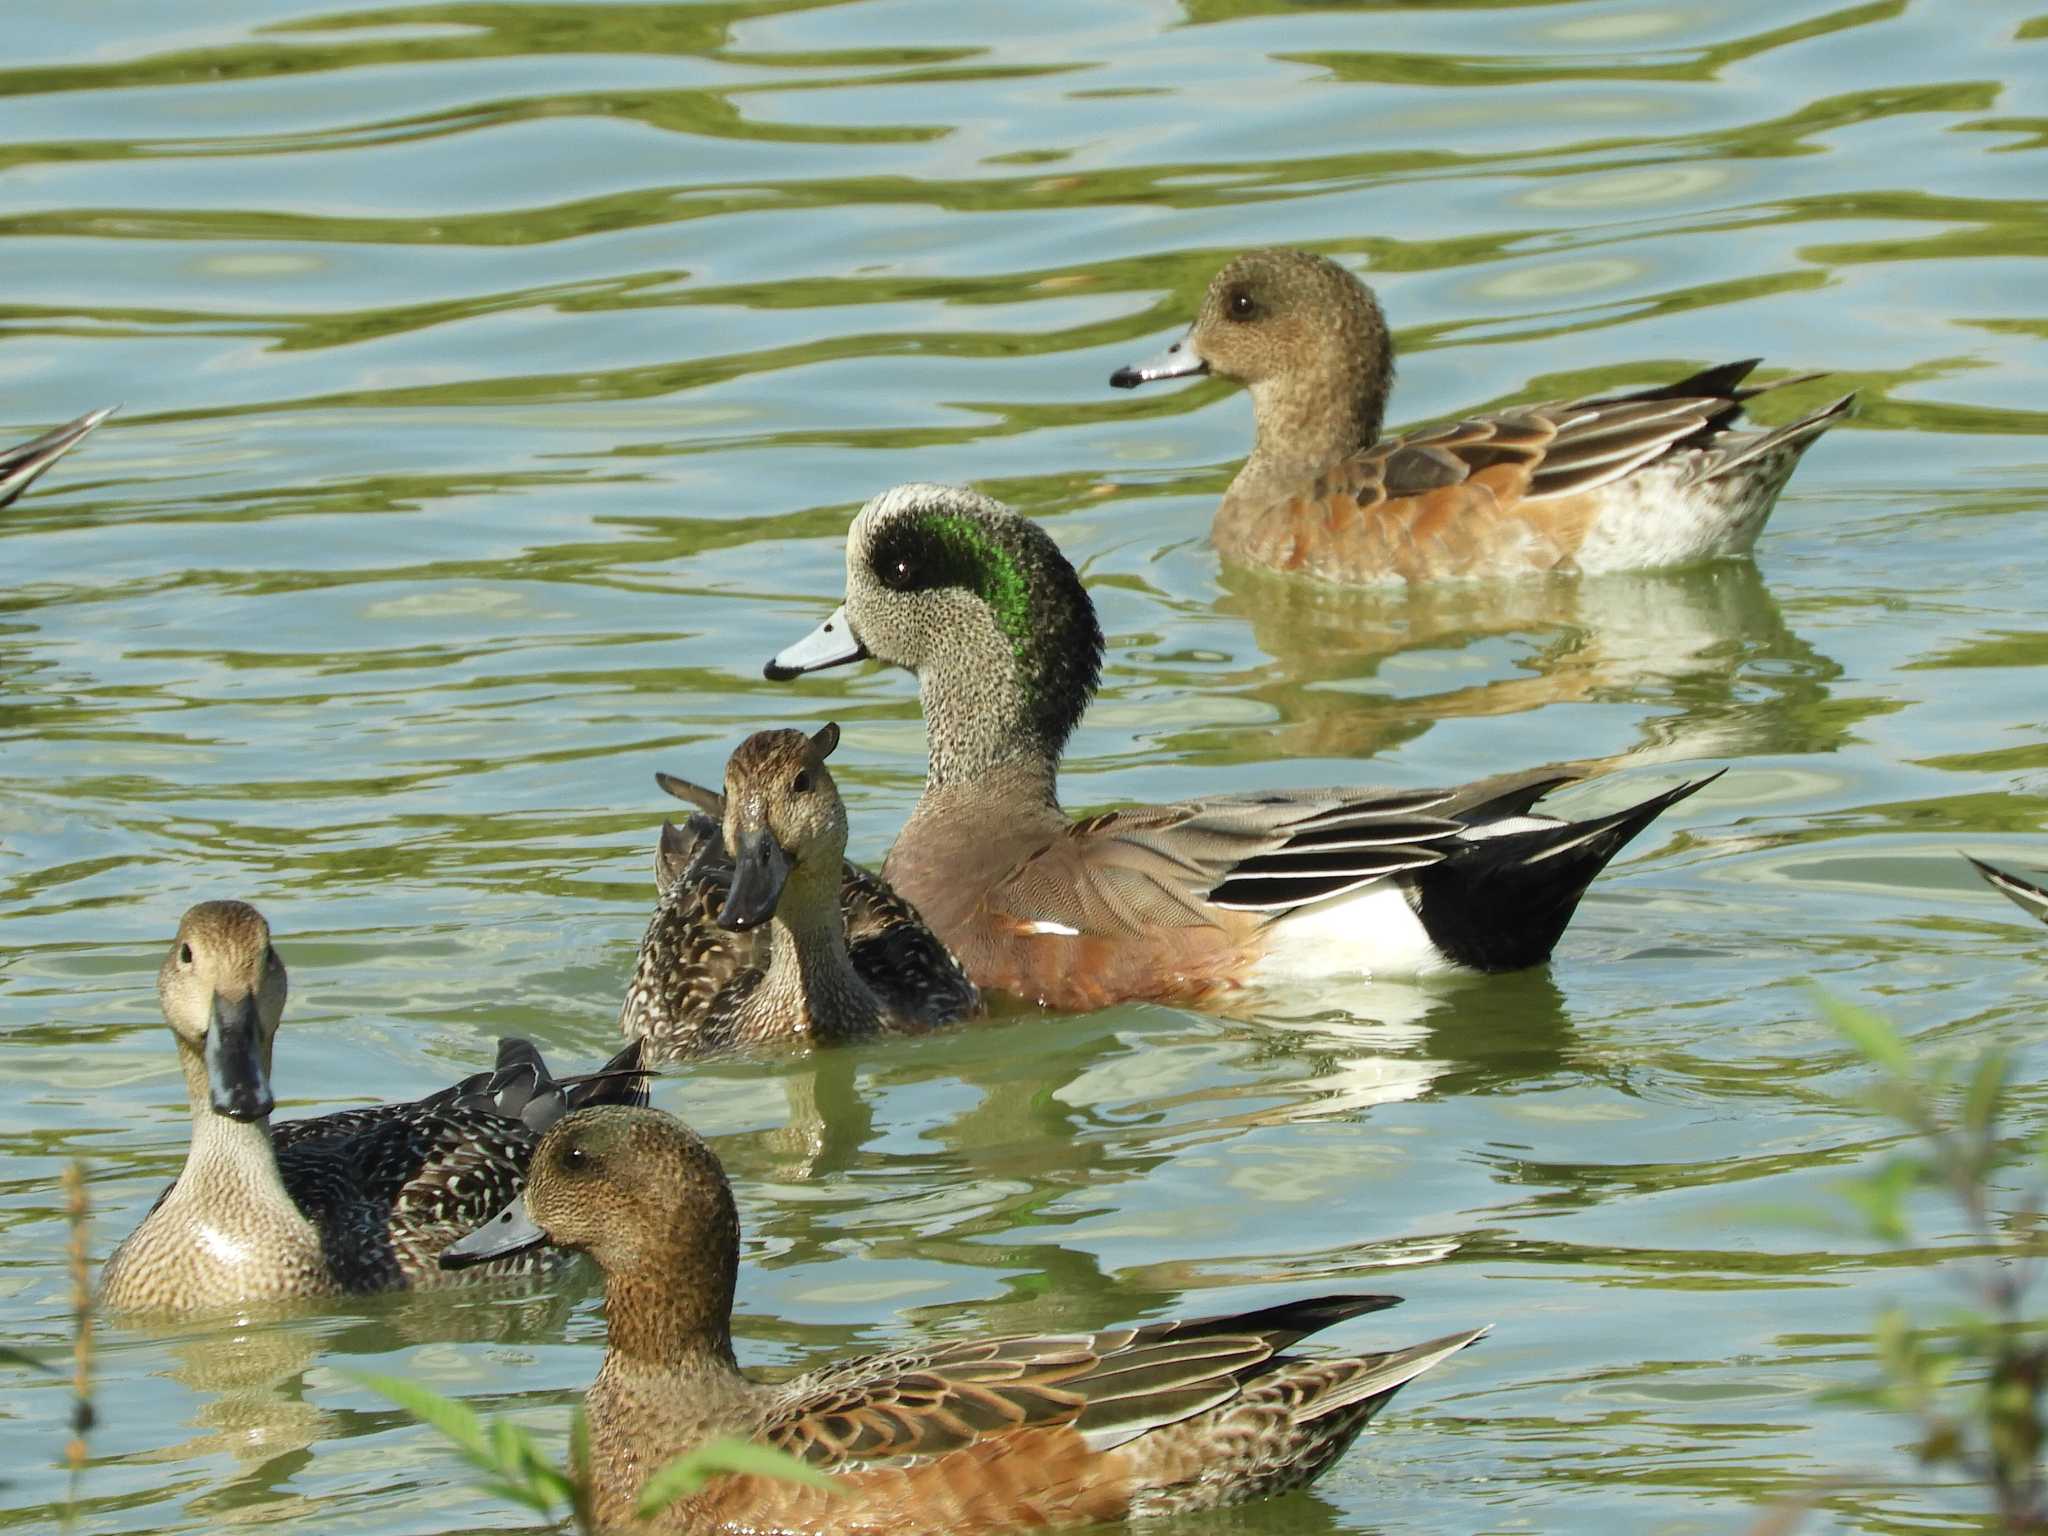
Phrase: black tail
(1501, 902)
(1280, 1325)
(520, 1087)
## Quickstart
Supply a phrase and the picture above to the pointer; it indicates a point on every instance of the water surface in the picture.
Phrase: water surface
(497, 383)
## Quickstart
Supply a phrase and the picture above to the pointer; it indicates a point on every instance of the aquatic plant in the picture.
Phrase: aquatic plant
(1975, 1381)
(515, 1467)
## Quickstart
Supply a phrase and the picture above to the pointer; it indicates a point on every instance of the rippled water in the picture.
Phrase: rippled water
(497, 383)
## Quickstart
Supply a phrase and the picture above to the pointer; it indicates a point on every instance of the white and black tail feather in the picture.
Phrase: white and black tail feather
(520, 1086)
(20, 465)
(1348, 847)
(2023, 894)
(1500, 901)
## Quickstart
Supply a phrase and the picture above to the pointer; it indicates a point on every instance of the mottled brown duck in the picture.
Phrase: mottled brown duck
(764, 932)
(341, 1204)
(1657, 477)
(971, 1435)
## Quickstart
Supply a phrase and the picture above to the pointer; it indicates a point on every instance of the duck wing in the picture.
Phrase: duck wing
(1107, 1387)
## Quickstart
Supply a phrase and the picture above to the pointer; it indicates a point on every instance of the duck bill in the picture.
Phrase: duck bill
(759, 870)
(510, 1231)
(237, 1082)
(831, 644)
(1179, 361)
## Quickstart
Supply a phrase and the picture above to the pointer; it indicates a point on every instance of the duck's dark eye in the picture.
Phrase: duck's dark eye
(801, 784)
(574, 1158)
(184, 954)
(897, 575)
(1240, 305)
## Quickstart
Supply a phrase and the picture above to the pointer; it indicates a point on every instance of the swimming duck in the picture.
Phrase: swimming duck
(1169, 903)
(965, 1436)
(20, 464)
(765, 932)
(356, 1201)
(2027, 897)
(1658, 477)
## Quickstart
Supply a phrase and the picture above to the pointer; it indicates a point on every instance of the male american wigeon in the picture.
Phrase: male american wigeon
(20, 464)
(356, 1201)
(2027, 896)
(1612, 483)
(966, 1436)
(1169, 902)
(751, 940)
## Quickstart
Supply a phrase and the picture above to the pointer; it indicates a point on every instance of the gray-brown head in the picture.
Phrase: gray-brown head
(982, 606)
(634, 1188)
(784, 823)
(1299, 331)
(222, 988)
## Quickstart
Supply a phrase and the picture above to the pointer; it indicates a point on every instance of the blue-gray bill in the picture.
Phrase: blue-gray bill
(510, 1231)
(236, 1083)
(831, 644)
(759, 870)
(1179, 361)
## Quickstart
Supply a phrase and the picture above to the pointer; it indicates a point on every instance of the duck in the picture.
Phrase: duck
(21, 464)
(2025, 895)
(1163, 903)
(1654, 478)
(764, 932)
(348, 1203)
(967, 1435)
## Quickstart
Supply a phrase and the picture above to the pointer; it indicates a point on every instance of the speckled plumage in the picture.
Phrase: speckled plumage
(1657, 477)
(356, 1201)
(699, 987)
(968, 1436)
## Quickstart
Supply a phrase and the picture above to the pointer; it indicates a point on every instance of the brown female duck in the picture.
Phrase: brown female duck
(764, 931)
(356, 1201)
(1659, 477)
(967, 1436)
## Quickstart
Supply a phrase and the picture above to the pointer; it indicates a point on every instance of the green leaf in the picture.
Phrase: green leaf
(458, 1422)
(1986, 1094)
(718, 1458)
(511, 1449)
(1875, 1040)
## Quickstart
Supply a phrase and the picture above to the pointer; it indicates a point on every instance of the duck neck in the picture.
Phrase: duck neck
(994, 726)
(673, 1311)
(810, 974)
(1323, 410)
(232, 1165)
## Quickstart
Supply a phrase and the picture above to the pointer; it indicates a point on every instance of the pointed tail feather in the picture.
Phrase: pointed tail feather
(1501, 902)
(1384, 1375)
(1737, 452)
(2023, 894)
(20, 465)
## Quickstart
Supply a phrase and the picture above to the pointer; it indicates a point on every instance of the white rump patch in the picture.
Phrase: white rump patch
(1369, 932)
